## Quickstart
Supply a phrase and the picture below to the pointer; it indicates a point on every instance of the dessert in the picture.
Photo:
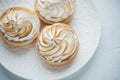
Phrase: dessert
(54, 11)
(19, 26)
(57, 44)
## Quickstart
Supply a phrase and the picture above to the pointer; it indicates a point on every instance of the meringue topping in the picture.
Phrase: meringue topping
(57, 43)
(55, 10)
(19, 24)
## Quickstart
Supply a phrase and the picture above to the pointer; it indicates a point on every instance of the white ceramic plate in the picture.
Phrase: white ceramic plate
(26, 62)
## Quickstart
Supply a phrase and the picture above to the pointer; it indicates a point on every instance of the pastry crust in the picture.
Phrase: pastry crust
(67, 20)
(64, 18)
(57, 44)
(19, 26)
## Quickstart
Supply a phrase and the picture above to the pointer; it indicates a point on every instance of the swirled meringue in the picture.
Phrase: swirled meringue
(57, 44)
(19, 26)
(52, 11)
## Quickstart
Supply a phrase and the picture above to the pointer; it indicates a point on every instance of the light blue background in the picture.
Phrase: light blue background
(105, 64)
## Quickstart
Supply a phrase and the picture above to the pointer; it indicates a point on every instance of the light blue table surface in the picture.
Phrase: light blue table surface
(105, 64)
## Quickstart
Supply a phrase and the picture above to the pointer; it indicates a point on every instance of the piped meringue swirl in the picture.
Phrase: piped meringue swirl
(57, 43)
(55, 10)
(19, 24)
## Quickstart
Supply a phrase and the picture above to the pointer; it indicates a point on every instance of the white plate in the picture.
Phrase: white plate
(26, 62)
